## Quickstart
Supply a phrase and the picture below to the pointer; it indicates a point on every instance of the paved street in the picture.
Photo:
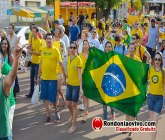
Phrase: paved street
(28, 121)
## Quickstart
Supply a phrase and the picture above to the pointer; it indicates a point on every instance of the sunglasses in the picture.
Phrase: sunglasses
(71, 47)
(157, 59)
(133, 38)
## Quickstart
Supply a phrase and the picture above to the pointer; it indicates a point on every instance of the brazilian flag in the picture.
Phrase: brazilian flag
(115, 80)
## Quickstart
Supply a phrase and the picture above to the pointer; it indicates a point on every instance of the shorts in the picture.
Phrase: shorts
(155, 103)
(152, 53)
(49, 90)
(72, 93)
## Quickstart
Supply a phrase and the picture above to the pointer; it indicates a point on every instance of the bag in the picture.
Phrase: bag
(35, 96)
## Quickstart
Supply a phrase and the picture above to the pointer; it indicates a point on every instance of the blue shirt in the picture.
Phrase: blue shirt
(74, 32)
(153, 33)
(120, 49)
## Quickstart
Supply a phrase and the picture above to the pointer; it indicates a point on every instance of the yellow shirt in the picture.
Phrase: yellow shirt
(139, 32)
(43, 42)
(135, 57)
(162, 36)
(140, 51)
(83, 59)
(50, 58)
(29, 37)
(72, 69)
(36, 47)
(156, 84)
(57, 45)
(99, 32)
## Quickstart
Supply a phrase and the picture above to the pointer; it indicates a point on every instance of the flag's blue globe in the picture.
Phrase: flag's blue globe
(114, 81)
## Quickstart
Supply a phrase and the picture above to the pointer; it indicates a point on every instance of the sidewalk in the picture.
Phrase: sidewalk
(28, 121)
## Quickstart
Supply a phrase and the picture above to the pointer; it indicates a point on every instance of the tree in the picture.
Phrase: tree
(104, 6)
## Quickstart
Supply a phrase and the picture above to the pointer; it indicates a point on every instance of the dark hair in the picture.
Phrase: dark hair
(117, 38)
(108, 42)
(49, 34)
(8, 48)
(106, 27)
(100, 25)
(75, 43)
(13, 27)
(137, 36)
(36, 28)
(31, 25)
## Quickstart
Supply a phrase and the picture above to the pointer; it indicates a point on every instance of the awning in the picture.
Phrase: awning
(28, 12)
(49, 9)
(74, 4)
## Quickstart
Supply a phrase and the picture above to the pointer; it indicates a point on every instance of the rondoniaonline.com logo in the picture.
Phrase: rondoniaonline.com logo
(124, 126)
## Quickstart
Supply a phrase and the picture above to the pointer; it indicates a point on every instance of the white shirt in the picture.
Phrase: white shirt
(65, 39)
(61, 21)
(80, 46)
(94, 43)
(12, 41)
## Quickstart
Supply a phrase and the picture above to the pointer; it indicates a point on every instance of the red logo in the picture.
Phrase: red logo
(97, 123)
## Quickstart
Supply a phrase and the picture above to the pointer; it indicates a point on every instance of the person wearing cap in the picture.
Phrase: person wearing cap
(125, 36)
(61, 20)
(153, 38)
(74, 31)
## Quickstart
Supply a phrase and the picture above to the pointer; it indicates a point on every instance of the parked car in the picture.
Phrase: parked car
(23, 32)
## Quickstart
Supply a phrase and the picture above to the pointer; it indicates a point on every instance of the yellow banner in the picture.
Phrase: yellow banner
(132, 19)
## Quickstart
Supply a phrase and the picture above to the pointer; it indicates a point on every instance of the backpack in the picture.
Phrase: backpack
(122, 46)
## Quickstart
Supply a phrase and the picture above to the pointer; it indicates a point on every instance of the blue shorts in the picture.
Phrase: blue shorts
(155, 103)
(49, 90)
(72, 93)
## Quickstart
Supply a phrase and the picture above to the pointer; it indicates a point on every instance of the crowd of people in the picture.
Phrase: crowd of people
(58, 59)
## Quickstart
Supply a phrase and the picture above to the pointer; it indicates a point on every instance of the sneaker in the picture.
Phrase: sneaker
(82, 108)
(47, 120)
(57, 116)
(28, 95)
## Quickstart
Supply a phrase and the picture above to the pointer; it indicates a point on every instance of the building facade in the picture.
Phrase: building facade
(4, 18)
(31, 3)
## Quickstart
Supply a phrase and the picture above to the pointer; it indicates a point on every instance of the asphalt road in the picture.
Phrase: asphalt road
(28, 120)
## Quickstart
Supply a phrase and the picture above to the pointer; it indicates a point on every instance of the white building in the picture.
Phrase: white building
(4, 18)
(31, 3)
(157, 5)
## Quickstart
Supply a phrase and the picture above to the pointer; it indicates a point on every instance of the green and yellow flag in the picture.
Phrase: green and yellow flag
(115, 80)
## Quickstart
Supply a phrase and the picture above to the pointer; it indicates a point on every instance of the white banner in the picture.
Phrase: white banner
(156, 1)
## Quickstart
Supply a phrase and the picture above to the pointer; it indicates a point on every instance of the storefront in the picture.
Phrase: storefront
(157, 5)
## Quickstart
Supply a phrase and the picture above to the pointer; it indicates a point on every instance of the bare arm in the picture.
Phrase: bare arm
(80, 78)
(9, 79)
(148, 56)
(11, 58)
(47, 23)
